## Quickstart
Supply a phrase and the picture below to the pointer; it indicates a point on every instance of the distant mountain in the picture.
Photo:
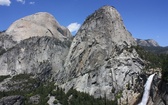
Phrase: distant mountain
(152, 46)
(147, 43)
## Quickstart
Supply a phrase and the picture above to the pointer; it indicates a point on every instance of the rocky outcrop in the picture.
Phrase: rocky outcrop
(34, 99)
(99, 62)
(51, 100)
(39, 24)
(147, 43)
(159, 92)
(12, 100)
(6, 42)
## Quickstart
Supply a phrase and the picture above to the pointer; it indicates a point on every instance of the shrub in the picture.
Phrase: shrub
(4, 77)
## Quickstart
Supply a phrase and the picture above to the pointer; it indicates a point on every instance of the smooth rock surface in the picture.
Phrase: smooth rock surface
(39, 24)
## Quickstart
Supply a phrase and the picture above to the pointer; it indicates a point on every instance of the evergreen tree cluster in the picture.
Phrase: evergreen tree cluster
(158, 50)
(165, 68)
(2, 78)
(73, 97)
(153, 60)
(30, 87)
(156, 60)
(44, 89)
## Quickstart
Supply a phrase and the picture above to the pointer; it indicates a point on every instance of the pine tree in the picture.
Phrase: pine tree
(165, 69)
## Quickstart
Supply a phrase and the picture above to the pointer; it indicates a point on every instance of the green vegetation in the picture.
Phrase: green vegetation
(158, 50)
(30, 86)
(165, 69)
(128, 86)
(4, 77)
(73, 97)
(21, 77)
(119, 95)
(155, 60)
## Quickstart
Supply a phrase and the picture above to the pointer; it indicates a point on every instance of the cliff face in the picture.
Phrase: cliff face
(34, 44)
(34, 55)
(159, 92)
(99, 61)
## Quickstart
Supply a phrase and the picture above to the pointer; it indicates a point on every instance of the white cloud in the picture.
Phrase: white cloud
(73, 27)
(21, 1)
(31, 2)
(5, 2)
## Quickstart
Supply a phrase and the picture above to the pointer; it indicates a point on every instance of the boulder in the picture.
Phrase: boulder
(34, 99)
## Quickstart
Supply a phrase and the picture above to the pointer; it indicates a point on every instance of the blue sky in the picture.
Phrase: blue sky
(145, 19)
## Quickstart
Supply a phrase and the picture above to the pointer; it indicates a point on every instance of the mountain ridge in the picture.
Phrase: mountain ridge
(100, 60)
(152, 46)
(147, 42)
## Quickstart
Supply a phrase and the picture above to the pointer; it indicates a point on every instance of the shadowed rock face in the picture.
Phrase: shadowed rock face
(34, 55)
(39, 24)
(98, 61)
(12, 100)
(158, 92)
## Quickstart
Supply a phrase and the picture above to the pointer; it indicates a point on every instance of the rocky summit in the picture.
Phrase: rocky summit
(39, 24)
(33, 44)
(101, 60)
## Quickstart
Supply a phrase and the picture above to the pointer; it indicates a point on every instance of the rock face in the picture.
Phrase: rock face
(34, 99)
(159, 92)
(99, 62)
(39, 24)
(34, 55)
(34, 44)
(12, 100)
(6, 42)
(147, 43)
